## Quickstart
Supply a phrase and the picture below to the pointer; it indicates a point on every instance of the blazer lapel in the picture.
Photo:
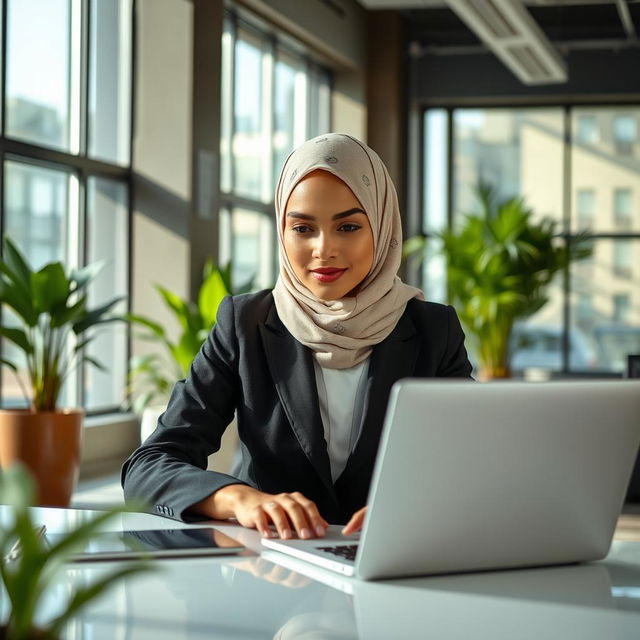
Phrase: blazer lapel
(292, 371)
(392, 359)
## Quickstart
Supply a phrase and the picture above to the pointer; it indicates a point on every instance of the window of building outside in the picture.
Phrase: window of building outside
(625, 133)
(585, 207)
(65, 145)
(584, 187)
(274, 97)
(621, 308)
(587, 129)
(622, 207)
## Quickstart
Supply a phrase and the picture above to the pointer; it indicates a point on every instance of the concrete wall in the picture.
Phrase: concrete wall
(162, 153)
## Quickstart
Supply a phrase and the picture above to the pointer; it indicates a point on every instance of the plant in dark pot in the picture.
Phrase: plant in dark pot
(500, 264)
(47, 308)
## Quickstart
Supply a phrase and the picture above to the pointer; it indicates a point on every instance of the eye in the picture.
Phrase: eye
(301, 228)
(350, 227)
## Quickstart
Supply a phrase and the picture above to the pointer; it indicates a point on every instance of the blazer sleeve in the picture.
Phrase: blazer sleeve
(168, 471)
(455, 362)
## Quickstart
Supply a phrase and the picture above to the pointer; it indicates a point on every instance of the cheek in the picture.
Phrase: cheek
(365, 254)
(294, 250)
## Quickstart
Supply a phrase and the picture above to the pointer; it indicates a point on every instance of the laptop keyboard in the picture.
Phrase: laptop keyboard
(346, 551)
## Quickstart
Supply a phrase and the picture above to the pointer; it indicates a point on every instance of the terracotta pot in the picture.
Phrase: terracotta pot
(493, 373)
(48, 443)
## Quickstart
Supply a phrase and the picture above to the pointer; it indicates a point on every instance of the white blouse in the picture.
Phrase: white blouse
(341, 397)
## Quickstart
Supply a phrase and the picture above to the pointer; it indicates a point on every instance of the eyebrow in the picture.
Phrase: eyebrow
(336, 216)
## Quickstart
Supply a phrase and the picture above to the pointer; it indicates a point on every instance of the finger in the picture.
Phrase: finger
(278, 516)
(261, 523)
(318, 523)
(298, 516)
(356, 522)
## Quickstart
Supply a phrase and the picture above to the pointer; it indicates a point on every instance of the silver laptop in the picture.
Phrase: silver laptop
(474, 476)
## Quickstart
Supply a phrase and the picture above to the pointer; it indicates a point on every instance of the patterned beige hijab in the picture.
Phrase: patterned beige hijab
(341, 333)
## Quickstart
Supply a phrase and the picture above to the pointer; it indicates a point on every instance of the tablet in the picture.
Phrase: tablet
(172, 543)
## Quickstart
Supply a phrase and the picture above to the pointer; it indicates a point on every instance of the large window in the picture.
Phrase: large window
(65, 167)
(580, 166)
(275, 96)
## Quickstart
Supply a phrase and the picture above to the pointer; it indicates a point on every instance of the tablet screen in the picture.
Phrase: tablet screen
(113, 545)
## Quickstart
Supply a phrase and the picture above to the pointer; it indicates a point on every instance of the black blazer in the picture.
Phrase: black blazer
(250, 363)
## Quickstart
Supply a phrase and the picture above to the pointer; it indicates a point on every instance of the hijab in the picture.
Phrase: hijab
(341, 333)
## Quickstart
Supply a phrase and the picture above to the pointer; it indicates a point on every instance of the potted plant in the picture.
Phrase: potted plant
(152, 375)
(48, 306)
(30, 576)
(500, 264)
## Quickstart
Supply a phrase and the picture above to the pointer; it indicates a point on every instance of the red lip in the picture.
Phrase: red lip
(327, 274)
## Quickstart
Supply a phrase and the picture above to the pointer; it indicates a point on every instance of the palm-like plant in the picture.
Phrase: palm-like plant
(28, 577)
(156, 375)
(499, 267)
(49, 305)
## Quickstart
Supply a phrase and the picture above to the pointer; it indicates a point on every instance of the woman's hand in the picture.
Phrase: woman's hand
(356, 522)
(289, 512)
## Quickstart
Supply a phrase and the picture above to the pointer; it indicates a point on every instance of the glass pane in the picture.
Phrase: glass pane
(252, 248)
(622, 207)
(107, 233)
(226, 109)
(434, 272)
(289, 110)
(609, 167)
(319, 103)
(605, 302)
(36, 211)
(537, 343)
(36, 216)
(585, 207)
(436, 158)
(249, 145)
(38, 77)
(518, 151)
(110, 81)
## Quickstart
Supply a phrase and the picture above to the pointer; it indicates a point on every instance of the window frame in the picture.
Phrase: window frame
(568, 231)
(80, 164)
(235, 19)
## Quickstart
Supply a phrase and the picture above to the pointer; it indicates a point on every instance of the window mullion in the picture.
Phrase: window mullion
(77, 73)
(267, 115)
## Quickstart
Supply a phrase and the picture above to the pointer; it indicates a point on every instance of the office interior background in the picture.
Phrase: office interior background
(150, 133)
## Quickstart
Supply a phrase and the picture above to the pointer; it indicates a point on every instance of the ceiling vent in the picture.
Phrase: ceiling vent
(508, 29)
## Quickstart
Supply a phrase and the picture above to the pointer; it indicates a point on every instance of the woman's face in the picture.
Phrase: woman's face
(327, 236)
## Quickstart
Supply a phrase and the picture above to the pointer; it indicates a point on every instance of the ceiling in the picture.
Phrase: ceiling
(434, 27)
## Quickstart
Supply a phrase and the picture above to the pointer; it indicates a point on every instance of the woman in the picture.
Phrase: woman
(307, 367)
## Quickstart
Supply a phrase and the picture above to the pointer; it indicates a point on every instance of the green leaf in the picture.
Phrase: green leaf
(157, 329)
(19, 299)
(66, 315)
(82, 277)
(83, 596)
(9, 364)
(176, 304)
(50, 288)
(95, 316)
(414, 246)
(96, 363)
(212, 292)
(18, 337)
(17, 263)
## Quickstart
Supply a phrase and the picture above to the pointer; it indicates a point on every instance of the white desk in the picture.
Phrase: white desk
(250, 597)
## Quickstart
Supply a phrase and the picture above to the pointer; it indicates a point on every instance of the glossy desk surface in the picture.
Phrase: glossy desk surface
(250, 596)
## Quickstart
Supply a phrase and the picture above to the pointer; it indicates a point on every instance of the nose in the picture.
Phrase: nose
(324, 247)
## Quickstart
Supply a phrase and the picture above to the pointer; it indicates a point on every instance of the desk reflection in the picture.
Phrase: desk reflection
(252, 597)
